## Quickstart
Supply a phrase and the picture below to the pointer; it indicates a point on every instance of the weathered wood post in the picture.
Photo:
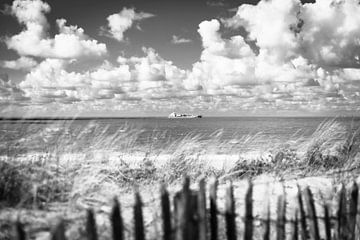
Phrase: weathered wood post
(310, 206)
(166, 214)
(213, 210)
(281, 217)
(295, 227)
(327, 222)
(58, 232)
(202, 210)
(342, 214)
(303, 232)
(117, 221)
(230, 213)
(19, 231)
(178, 208)
(183, 203)
(139, 229)
(91, 225)
(353, 206)
(267, 223)
(249, 213)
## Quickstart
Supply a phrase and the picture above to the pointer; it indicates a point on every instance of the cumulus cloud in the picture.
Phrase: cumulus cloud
(10, 93)
(179, 40)
(292, 57)
(330, 35)
(34, 40)
(140, 78)
(22, 63)
(304, 55)
(119, 23)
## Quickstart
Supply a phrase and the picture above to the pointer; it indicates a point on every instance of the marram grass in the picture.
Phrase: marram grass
(93, 162)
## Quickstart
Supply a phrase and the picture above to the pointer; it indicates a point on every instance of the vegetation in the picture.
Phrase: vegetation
(84, 165)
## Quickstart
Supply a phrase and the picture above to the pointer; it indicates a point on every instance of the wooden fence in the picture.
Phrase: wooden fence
(191, 219)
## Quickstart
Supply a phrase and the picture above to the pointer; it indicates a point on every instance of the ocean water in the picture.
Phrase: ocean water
(239, 133)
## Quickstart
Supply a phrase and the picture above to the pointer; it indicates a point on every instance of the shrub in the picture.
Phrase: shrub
(13, 184)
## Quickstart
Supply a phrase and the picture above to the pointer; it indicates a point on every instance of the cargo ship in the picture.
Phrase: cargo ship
(181, 115)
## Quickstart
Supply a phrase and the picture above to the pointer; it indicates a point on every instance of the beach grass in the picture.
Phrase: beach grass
(87, 166)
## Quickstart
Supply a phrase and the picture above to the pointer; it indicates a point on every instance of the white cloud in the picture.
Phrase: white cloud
(10, 93)
(300, 54)
(22, 63)
(142, 78)
(179, 40)
(120, 22)
(293, 57)
(223, 61)
(269, 23)
(330, 35)
(70, 42)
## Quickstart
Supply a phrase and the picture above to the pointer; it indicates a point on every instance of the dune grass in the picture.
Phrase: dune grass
(80, 166)
(61, 162)
(77, 162)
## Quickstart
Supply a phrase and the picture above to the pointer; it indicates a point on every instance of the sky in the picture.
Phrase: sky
(153, 57)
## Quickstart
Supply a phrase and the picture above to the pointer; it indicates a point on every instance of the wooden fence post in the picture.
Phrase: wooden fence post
(295, 228)
(281, 217)
(213, 210)
(342, 214)
(166, 214)
(267, 223)
(139, 230)
(310, 206)
(183, 211)
(193, 224)
(354, 196)
(230, 213)
(19, 231)
(177, 215)
(116, 221)
(248, 213)
(185, 214)
(91, 225)
(303, 232)
(327, 222)
(202, 210)
(58, 232)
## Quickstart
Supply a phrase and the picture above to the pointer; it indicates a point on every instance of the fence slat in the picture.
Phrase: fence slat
(213, 210)
(177, 201)
(267, 223)
(183, 211)
(310, 206)
(295, 228)
(327, 222)
(202, 210)
(186, 213)
(230, 213)
(248, 213)
(116, 221)
(19, 231)
(303, 232)
(166, 214)
(91, 226)
(281, 217)
(354, 196)
(58, 232)
(341, 214)
(139, 230)
(194, 217)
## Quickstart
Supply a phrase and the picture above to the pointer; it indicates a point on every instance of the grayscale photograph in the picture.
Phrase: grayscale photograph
(179, 119)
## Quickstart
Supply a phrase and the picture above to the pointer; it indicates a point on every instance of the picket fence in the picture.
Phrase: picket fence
(191, 219)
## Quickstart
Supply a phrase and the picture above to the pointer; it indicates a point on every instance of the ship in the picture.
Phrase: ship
(181, 115)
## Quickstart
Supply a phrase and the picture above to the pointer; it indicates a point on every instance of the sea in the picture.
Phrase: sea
(222, 134)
